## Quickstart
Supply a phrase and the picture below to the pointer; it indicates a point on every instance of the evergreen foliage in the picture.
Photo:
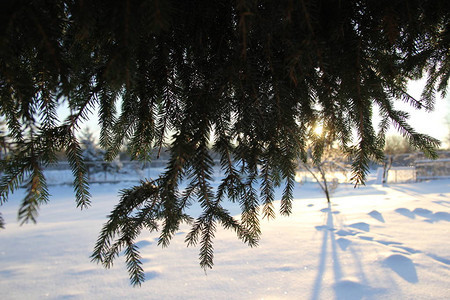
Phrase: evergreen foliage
(91, 152)
(94, 157)
(5, 146)
(254, 73)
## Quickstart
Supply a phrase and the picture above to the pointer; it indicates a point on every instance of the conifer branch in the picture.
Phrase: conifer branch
(250, 209)
(107, 111)
(137, 209)
(2, 222)
(134, 264)
(267, 192)
(9, 110)
(79, 171)
(141, 143)
(14, 173)
(163, 119)
(260, 74)
(206, 244)
(82, 110)
(37, 194)
(286, 199)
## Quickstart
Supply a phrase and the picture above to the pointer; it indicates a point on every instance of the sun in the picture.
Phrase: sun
(318, 129)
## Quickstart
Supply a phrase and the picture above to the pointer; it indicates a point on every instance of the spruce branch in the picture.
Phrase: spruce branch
(286, 200)
(134, 264)
(80, 109)
(258, 74)
(139, 208)
(267, 192)
(142, 141)
(79, 171)
(47, 108)
(172, 214)
(10, 110)
(37, 194)
(14, 173)
(2, 222)
(250, 209)
(206, 244)
(231, 184)
(107, 110)
(204, 228)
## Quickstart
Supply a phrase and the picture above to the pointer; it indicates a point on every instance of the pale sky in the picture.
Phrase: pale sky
(433, 123)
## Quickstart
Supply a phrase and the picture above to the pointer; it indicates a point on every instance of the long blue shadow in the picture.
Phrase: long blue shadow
(328, 236)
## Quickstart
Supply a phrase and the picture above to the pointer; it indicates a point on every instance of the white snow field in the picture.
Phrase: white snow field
(373, 242)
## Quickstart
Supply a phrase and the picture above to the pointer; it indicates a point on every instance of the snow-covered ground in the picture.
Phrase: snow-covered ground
(373, 242)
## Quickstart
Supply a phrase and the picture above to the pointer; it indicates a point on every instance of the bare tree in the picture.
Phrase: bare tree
(325, 161)
(394, 146)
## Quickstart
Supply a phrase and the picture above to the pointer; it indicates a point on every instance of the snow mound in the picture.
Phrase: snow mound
(403, 266)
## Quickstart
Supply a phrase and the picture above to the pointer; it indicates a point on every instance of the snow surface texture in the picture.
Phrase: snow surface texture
(373, 242)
